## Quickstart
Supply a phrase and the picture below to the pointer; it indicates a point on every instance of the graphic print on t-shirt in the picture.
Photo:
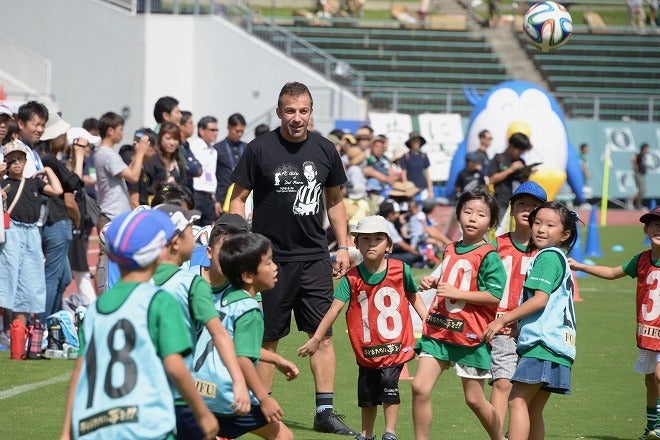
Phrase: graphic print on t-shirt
(308, 191)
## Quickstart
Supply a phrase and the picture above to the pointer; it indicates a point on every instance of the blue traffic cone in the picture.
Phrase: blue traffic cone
(652, 206)
(592, 248)
(576, 253)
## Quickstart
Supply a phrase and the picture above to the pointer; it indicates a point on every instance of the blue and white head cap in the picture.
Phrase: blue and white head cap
(107, 225)
(135, 239)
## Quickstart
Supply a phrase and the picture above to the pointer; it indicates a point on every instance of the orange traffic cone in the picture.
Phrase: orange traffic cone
(405, 374)
(576, 291)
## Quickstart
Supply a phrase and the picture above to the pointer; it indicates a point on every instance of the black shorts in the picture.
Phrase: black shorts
(303, 287)
(234, 427)
(378, 385)
(186, 425)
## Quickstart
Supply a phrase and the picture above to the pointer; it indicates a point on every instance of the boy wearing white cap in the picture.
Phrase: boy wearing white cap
(131, 343)
(378, 292)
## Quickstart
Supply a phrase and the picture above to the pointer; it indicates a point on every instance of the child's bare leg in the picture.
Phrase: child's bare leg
(481, 407)
(519, 400)
(369, 414)
(499, 397)
(274, 431)
(391, 412)
(428, 371)
(537, 426)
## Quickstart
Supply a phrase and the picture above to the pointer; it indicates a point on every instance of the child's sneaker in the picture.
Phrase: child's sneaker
(644, 436)
(653, 434)
(361, 437)
(389, 436)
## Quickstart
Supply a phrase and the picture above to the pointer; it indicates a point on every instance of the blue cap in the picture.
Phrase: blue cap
(135, 239)
(473, 157)
(532, 189)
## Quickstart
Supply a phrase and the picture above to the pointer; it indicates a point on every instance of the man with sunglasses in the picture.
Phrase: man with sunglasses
(205, 185)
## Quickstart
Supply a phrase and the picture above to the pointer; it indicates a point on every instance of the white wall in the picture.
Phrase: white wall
(103, 58)
(97, 53)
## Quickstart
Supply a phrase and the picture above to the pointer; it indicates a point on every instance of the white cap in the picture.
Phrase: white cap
(371, 225)
(77, 132)
(55, 127)
(4, 110)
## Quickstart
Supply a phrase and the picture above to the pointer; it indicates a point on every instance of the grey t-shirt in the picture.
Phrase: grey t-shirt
(110, 187)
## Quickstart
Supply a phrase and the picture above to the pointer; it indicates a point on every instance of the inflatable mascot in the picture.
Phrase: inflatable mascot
(519, 106)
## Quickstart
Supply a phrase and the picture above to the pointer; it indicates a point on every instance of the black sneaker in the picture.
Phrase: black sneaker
(331, 422)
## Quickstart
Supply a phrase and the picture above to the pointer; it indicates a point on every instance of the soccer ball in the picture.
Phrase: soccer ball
(547, 26)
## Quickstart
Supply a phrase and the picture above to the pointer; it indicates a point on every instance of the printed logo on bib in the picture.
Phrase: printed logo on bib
(206, 389)
(114, 416)
(648, 331)
(437, 320)
(381, 350)
(569, 338)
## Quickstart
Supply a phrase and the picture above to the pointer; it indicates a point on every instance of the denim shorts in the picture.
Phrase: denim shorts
(554, 377)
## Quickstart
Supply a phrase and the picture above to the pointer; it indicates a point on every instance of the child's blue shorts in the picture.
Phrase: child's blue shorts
(554, 377)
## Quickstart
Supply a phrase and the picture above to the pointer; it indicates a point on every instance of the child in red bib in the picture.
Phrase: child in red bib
(646, 268)
(378, 292)
(467, 294)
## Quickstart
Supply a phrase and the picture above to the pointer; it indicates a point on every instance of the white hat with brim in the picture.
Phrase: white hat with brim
(74, 133)
(55, 127)
(372, 224)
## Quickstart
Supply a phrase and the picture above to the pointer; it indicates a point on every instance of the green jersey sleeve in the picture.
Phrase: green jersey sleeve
(547, 273)
(492, 276)
(202, 308)
(343, 291)
(167, 326)
(630, 268)
(248, 334)
(409, 282)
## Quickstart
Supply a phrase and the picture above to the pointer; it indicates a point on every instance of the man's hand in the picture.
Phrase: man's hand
(142, 145)
(342, 263)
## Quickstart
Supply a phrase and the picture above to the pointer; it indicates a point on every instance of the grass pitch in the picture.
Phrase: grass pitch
(607, 401)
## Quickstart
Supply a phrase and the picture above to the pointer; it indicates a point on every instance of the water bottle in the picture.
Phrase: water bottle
(55, 336)
(18, 335)
(36, 332)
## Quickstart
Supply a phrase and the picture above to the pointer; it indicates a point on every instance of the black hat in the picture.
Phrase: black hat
(415, 135)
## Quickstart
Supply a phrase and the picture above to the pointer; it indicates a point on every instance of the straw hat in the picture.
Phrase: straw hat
(403, 189)
(355, 155)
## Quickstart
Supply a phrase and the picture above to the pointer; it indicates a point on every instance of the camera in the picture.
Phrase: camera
(138, 135)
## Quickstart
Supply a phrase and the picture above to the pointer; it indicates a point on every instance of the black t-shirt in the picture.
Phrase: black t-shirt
(70, 183)
(504, 189)
(141, 187)
(469, 180)
(156, 173)
(287, 180)
(29, 204)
